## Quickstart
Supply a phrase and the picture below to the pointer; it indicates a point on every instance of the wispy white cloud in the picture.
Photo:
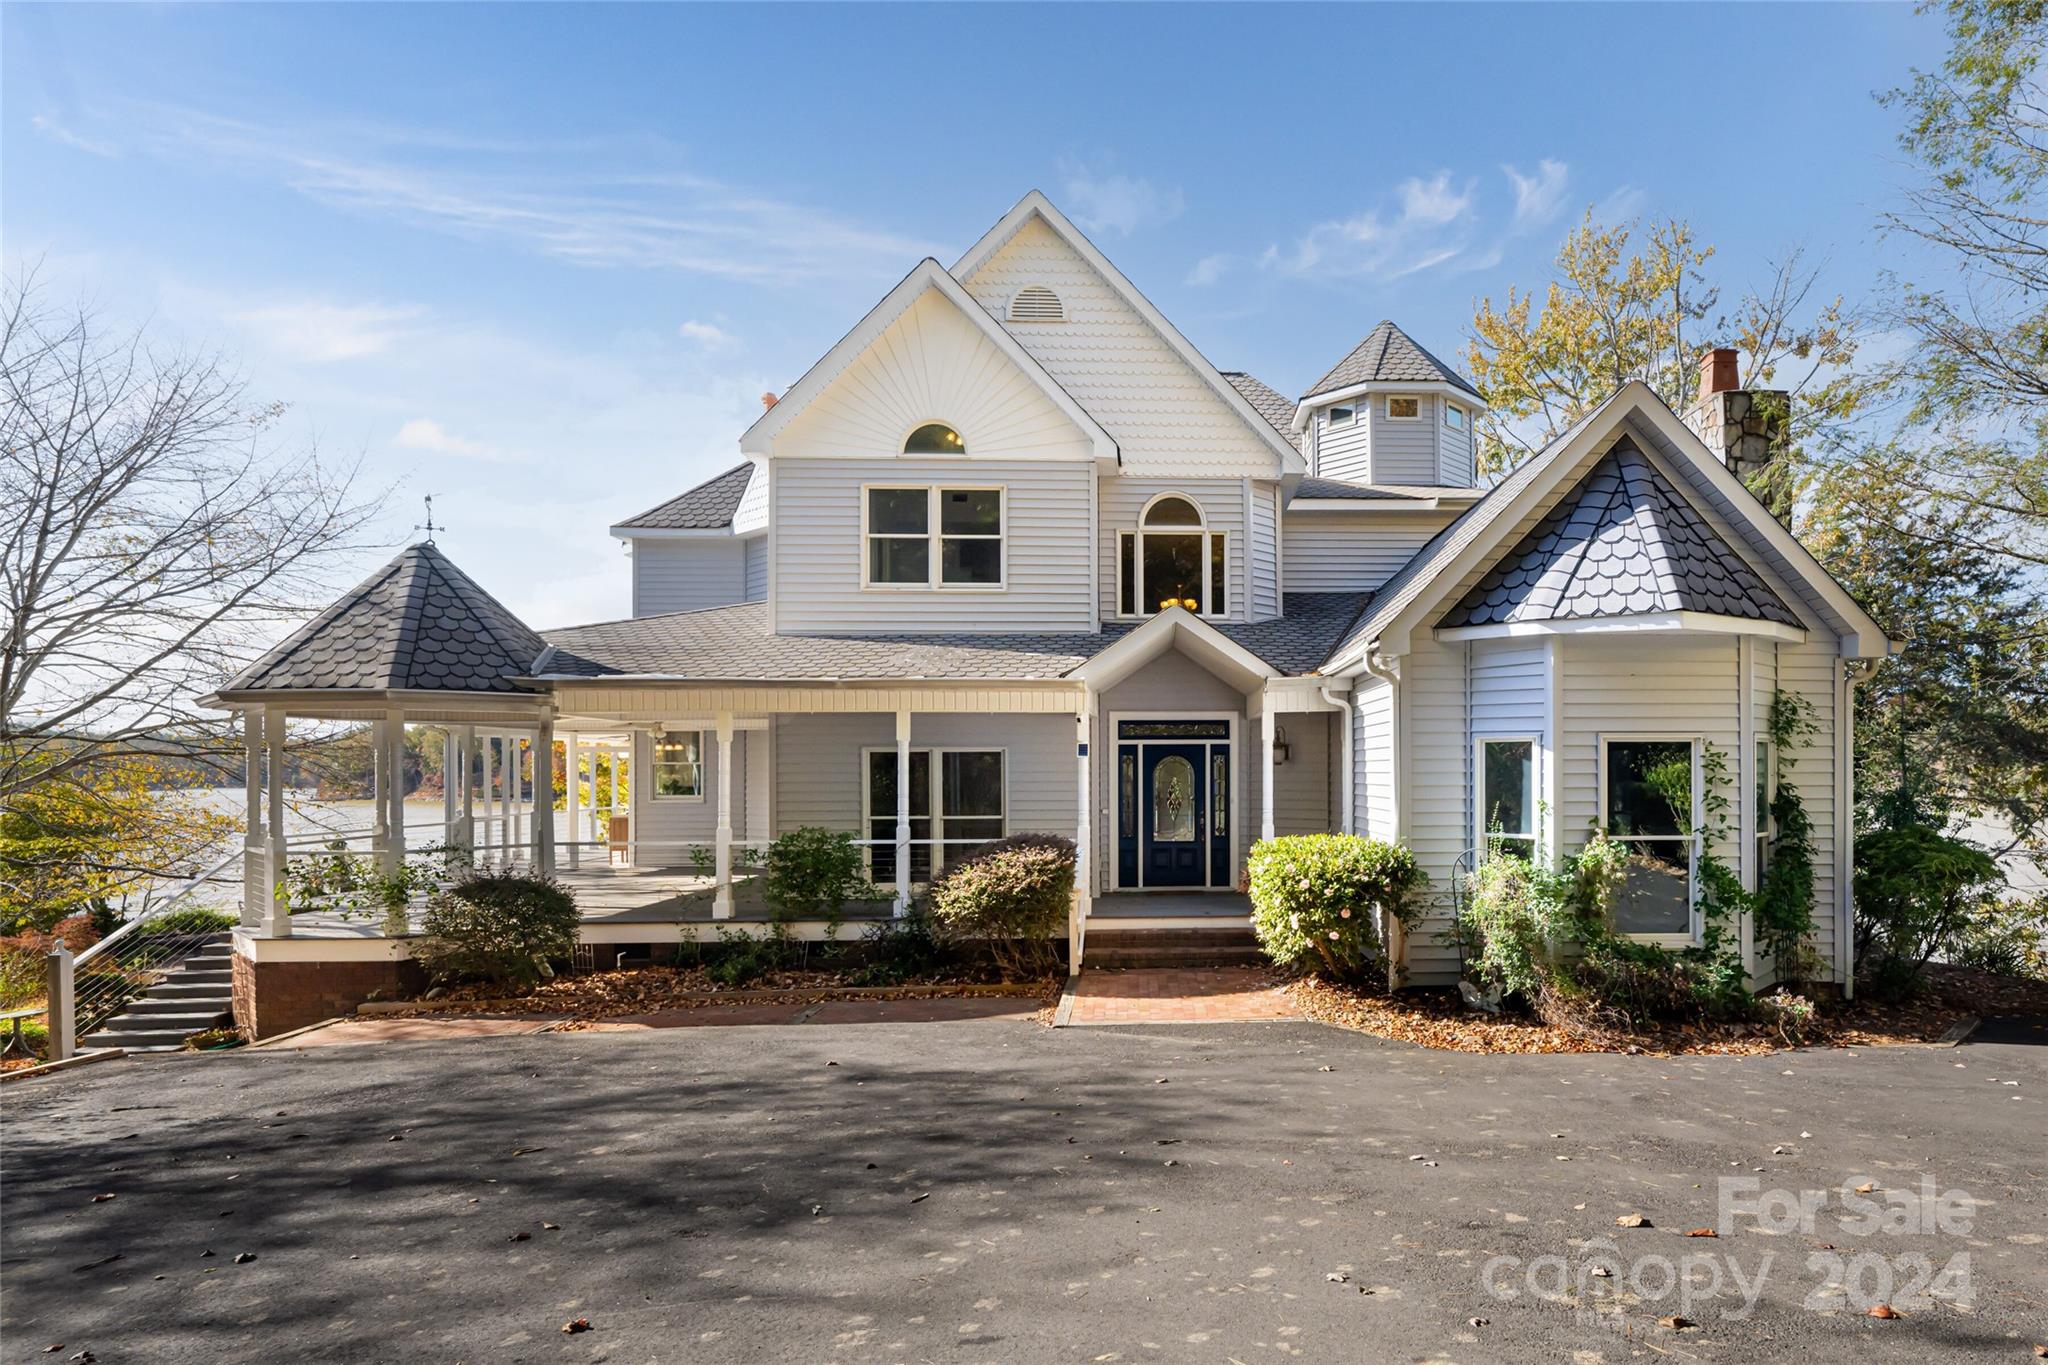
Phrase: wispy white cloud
(1620, 205)
(590, 215)
(58, 133)
(313, 330)
(424, 433)
(709, 335)
(1539, 197)
(1109, 201)
(1427, 223)
(1210, 269)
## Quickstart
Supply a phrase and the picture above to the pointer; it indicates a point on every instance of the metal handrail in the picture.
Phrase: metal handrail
(160, 908)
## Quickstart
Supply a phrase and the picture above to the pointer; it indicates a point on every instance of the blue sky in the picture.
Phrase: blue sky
(541, 261)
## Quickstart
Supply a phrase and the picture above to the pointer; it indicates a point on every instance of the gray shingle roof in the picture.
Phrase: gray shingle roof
(1389, 355)
(417, 623)
(735, 644)
(1316, 489)
(706, 507)
(1269, 402)
(1623, 542)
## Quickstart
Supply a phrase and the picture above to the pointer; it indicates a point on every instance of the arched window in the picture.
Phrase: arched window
(934, 438)
(1036, 303)
(1172, 559)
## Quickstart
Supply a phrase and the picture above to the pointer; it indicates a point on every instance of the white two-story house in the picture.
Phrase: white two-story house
(1014, 556)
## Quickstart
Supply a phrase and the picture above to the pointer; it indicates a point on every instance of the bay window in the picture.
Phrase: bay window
(932, 537)
(1651, 803)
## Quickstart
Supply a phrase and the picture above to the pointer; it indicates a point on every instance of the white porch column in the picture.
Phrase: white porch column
(1084, 843)
(544, 795)
(903, 812)
(618, 759)
(572, 809)
(394, 766)
(1266, 724)
(275, 921)
(494, 827)
(254, 851)
(448, 786)
(465, 822)
(380, 778)
(721, 901)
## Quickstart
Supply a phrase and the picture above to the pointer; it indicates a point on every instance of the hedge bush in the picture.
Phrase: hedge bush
(500, 927)
(814, 872)
(1012, 896)
(1314, 898)
(1918, 893)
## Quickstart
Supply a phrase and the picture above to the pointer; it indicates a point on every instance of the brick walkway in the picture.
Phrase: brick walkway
(418, 1029)
(1180, 995)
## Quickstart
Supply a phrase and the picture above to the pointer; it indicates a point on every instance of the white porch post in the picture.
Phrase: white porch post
(465, 823)
(572, 809)
(380, 778)
(903, 812)
(1266, 722)
(448, 786)
(617, 756)
(394, 767)
(1084, 860)
(254, 850)
(61, 994)
(494, 828)
(721, 901)
(544, 795)
(275, 921)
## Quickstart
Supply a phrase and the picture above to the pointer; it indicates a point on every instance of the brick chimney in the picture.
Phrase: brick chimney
(1745, 428)
(768, 400)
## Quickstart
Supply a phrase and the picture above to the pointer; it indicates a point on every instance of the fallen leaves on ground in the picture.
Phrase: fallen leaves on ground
(1437, 1018)
(575, 1325)
(587, 997)
(1885, 1311)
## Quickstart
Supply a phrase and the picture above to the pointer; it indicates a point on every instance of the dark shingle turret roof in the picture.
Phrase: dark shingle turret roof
(1623, 543)
(417, 623)
(1268, 402)
(706, 507)
(1389, 355)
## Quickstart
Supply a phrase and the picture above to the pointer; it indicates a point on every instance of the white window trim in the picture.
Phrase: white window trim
(1414, 398)
(654, 792)
(1480, 833)
(1692, 937)
(935, 538)
(933, 753)
(1330, 416)
(1137, 534)
(1455, 411)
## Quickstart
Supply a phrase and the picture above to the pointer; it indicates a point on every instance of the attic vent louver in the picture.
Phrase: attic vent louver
(1036, 303)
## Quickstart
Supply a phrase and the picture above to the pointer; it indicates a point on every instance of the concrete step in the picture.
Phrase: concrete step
(205, 976)
(140, 1040)
(153, 1030)
(177, 1004)
(1096, 956)
(174, 988)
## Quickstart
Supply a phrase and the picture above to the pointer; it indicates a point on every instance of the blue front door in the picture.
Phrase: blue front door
(1173, 826)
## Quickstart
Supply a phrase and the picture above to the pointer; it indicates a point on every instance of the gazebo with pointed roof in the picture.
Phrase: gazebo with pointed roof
(417, 642)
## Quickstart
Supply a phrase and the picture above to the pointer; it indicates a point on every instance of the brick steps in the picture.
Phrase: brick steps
(1234, 946)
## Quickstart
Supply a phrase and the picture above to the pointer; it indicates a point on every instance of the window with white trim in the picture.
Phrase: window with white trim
(1172, 559)
(1651, 801)
(925, 537)
(949, 820)
(1342, 415)
(1507, 796)
(1766, 789)
(1454, 417)
(1403, 409)
(678, 768)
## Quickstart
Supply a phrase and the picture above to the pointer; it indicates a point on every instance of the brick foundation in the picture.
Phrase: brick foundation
(277, 997)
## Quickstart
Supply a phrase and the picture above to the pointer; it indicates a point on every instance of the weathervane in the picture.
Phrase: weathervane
(428, 526)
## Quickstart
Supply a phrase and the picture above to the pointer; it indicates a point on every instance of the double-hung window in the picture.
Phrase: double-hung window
(949, 819)
(1507, 796)
(679, 765)
(1651, 800)
(933, 537)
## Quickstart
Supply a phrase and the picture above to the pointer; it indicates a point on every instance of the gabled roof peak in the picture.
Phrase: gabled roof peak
(1389, 355)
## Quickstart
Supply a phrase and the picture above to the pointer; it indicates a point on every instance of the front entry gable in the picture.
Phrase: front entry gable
(1169, 408)
(1623, 542)
(929, 353)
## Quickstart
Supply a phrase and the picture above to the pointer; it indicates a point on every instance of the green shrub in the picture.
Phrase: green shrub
(500, 927)
(1314, 898)
(2009, 938)
(1917, 893)
(898, 949)
(193, 921)
(813, 873)
(1013, 897)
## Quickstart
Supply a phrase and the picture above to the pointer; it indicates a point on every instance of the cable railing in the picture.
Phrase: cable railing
(127, 962)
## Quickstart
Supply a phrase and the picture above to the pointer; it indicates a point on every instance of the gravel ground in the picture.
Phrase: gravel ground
(993, 1190)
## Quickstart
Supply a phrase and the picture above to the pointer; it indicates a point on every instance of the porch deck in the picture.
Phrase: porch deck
(1216, 905)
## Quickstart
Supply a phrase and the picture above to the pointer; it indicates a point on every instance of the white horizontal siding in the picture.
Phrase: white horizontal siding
(1352, 552)
(1811, 671)
(666, 827)
(1301, 785)
(1404, 451)
(818, 549)
(1372, 768)
(1458, 445)
(1344, 452)
(757, 568)
(1264, 552)
(1432, 698)
(687, 574)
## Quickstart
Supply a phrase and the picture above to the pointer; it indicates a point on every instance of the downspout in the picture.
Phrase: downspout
(1377, 666)
(1845, 821)
(1347, 813)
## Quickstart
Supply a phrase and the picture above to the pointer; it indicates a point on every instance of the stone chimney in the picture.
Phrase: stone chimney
(1745, 428)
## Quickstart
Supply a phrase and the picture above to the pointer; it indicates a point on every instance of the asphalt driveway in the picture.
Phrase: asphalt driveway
(992, 1190)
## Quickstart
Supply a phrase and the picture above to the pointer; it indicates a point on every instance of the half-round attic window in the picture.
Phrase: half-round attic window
(1036, 303)
(1173, 511)
(934, 438)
